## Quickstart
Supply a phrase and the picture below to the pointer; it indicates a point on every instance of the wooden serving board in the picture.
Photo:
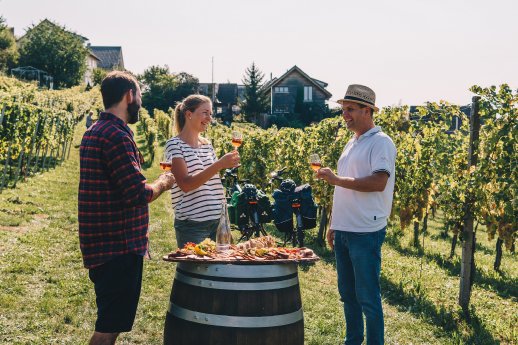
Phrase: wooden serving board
(234, 261)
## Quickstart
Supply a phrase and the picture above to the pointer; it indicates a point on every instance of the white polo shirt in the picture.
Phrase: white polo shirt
(355, 211)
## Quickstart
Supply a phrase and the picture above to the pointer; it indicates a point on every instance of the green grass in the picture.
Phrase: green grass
(47, 298)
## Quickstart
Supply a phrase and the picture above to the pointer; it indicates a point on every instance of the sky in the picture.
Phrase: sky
(407, 51)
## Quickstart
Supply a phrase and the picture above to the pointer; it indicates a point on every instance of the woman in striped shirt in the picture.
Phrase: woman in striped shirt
(198, 195)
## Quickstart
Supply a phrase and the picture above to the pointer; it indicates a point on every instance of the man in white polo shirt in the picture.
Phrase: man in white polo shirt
(362, 201)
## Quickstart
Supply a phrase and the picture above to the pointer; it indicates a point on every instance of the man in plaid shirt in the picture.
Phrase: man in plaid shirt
(113, 207)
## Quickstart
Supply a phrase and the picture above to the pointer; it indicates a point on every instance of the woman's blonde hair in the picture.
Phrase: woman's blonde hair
(189, 103)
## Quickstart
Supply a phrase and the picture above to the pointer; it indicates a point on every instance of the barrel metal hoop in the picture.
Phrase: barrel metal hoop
(236, 280)
(239, 271)
(235, 321)
(255, 286)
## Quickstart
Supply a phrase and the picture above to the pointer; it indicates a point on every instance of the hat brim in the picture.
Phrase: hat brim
(341, 101)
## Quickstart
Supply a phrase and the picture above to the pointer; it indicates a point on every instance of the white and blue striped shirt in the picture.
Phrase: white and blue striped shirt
(205, 202)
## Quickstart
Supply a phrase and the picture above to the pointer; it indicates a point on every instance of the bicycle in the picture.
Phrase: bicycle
(244, 202)
(288, 194)
(231, 183)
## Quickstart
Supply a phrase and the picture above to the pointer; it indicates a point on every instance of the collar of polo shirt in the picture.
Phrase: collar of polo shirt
(370, 132)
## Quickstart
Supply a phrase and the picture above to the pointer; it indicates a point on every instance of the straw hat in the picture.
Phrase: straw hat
(360, 94)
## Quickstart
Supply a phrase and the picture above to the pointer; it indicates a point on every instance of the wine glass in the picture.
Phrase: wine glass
(237, 139)
(314, 161)
(165, 163)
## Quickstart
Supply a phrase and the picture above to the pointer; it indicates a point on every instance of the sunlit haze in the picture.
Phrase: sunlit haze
(408, 51)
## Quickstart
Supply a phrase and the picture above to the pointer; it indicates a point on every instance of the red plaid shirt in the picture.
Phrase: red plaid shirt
(113, 195)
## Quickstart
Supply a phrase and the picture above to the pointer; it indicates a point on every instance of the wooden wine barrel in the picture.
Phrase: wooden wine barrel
(235, 304)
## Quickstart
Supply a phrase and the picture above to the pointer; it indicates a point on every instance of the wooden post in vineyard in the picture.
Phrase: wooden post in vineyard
(2, 115)
(59, 134)
(40, 143)
(321, 237)
(54, 149)
(5, 182)
(66, 131)
(70, 142)
(64, 147)
(498, 258)
(21, 155)
(467, 269)
(47, 144)
(33, 141)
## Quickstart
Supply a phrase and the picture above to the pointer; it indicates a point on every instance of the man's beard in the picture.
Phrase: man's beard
(133, 112)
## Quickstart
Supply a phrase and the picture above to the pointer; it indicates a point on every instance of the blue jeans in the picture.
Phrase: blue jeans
(358, 265)
(191, 231)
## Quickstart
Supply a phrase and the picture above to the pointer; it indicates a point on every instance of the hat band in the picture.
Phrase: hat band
(358, 99)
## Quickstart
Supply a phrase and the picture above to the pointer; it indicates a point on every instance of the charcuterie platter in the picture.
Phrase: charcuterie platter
(261, 250)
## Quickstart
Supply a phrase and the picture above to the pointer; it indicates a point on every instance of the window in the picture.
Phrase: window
(308, 93)
(281, 89)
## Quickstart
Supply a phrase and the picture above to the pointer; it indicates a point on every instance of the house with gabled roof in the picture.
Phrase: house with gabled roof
(110, 57)
(92, 61)
(293, 90)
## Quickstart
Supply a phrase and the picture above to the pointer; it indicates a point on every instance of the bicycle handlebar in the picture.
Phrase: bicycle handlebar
(275, 175)
(231, 172)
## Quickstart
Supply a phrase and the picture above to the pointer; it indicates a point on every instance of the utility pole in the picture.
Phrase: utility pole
(271, 95)
(213, 86)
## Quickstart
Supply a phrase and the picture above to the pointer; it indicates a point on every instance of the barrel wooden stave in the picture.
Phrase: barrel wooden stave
(239, 303)
(179, 331)
(268, 303)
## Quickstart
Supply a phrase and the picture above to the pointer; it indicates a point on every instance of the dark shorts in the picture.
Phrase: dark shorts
(117, 288)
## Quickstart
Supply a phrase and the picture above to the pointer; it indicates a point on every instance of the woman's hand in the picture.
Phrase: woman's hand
(229, 160)
(187, 182)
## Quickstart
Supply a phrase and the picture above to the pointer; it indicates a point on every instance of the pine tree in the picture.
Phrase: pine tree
(255, 101)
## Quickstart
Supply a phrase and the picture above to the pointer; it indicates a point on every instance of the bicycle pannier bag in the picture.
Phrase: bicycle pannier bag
(264, 207)
(232, 208)
(308, 208)
(282, 212)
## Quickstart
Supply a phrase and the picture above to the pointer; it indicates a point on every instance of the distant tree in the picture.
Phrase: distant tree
(153, 74)
(98, 75)
(162, 89)
(255, 101)
(8, 49)
(186, 85)
(57, 51)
